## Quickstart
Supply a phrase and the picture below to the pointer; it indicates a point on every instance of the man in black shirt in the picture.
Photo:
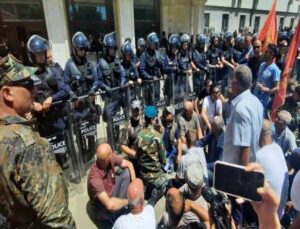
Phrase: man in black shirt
(255, 61)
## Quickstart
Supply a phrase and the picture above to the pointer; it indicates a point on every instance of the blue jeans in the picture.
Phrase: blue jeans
(171, 158)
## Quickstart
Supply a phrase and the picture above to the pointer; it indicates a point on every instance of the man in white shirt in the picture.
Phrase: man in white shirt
(271, 155)
(139, 216)
(212, 106)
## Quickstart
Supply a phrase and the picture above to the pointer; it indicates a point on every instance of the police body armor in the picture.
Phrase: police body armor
(81, 78)
(214, 56)
(184, 61)
(46, 85)
(199, 57)
(172, 66)
(152, 64)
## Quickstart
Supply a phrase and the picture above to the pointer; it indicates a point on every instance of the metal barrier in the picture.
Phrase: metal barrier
(84, 128)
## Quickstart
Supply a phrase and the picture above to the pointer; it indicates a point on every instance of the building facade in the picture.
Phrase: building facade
(58, 20)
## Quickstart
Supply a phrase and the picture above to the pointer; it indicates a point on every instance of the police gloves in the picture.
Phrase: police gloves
(73, 97)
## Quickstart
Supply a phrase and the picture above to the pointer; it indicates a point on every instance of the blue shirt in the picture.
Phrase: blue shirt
(286, 140)
(267, 75)
(243, 127)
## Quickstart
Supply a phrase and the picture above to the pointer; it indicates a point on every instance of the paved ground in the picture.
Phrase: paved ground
(78, 204)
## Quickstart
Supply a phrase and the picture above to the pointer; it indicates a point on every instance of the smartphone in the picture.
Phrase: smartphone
(235, 181)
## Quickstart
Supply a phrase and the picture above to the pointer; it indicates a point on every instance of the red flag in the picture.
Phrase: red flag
(268, 33)
(289, 62)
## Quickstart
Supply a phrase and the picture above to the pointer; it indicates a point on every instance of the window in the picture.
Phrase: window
(92, 17)
(32, 10)
(225, 22)
(292, 23)
(146, 17)
(87, 10)
(281, 23)
(206, 20)
(242, 22)
(256, 24)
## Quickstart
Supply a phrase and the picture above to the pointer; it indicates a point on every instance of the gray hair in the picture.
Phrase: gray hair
(243, 77)
(219, 121)
(285, 116)
(136, 201)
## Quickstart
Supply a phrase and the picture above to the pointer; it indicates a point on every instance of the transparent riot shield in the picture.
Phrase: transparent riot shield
(85, 125)
(212, 74)
(59, 135)
(118, 107)
(228, 81)
(180, 86)
(196, 84)
(160, 99)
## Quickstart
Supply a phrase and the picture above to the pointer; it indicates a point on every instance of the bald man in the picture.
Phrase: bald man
(188, 120)
(139, 216)
(271, 154)
(107, 190)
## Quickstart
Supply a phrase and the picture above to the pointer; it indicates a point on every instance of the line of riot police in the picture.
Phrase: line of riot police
(66, 104)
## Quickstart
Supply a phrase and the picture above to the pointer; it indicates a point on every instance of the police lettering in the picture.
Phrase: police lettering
(118, 118)
(58, 145)
(88, 129)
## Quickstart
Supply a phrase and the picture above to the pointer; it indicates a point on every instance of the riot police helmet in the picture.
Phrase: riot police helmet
(141, 43)
(36, 44)
(201, 39)
(174, 41)
(152, 39)
(185, 38)
(127, 48)
(79, 40)
(109, 40)
(228, 36)
(283, 36)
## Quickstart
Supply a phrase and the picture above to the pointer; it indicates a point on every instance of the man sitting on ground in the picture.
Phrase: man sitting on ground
(192, 191)
(107, 191)
(139, 216)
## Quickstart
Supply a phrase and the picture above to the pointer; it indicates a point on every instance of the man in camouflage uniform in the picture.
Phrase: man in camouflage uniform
(33, 192)
(152, 157)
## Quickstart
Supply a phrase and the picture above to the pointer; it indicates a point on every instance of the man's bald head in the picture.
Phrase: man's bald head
(188, 105)
(135, 193)
(174, 205)
(103, 150)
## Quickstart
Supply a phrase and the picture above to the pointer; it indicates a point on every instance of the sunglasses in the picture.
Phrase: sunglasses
(82, 49)
(28, 84)
(216, 92)
(256, 47)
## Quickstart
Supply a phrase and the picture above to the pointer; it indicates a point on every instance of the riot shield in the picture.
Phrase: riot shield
(118, 108)
(180, 91)
(61, 142)
(196, 84)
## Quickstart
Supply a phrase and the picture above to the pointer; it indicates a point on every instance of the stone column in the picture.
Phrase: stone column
(164, 15)
(198, 16)
(124, 20)
(57, 28)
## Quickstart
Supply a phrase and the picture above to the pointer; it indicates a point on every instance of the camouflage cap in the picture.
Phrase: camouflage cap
(11, 70)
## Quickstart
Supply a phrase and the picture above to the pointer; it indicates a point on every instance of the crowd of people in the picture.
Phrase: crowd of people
(167, 154)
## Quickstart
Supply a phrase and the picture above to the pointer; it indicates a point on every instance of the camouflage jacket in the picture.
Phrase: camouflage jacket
(33, 192)
(151, 154)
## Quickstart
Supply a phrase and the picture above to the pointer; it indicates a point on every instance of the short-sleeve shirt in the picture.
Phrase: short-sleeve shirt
(185, 125)
(267, 75)
(102, 181)
(194, 155)
(286, 140)
(271, 155)
(189, 217)
(243, 127)
(212, 108)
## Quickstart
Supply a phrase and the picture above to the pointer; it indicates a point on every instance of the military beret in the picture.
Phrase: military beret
(150, 111)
